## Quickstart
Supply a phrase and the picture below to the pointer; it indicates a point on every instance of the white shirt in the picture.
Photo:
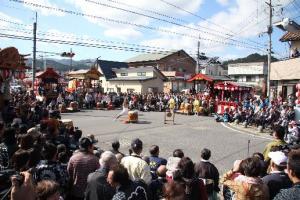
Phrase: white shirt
(137, 168)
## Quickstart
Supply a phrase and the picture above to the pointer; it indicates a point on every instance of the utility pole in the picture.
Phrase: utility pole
(34, 51)
(71, 59)
(270, 30)
(197, 62)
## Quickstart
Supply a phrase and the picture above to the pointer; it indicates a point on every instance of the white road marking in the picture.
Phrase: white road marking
(242, 132)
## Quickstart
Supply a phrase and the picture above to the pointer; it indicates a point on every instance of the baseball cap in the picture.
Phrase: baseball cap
(136, 144)
(278, 157)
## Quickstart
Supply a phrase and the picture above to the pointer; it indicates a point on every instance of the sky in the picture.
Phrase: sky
(227, 29)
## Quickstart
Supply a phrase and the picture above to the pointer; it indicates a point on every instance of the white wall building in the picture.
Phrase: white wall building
(253, 74)
(213, 70)
(117, 77)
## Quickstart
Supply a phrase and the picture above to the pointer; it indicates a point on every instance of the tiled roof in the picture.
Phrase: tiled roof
(290, 36)
(107, 66)
(148, 57)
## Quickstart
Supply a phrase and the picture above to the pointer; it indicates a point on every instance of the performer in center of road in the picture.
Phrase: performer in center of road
(125, 108)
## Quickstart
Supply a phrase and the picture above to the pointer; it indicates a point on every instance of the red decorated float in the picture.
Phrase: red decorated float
(229, 94)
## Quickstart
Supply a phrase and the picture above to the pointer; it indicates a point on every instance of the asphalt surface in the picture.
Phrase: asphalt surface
(189, 133)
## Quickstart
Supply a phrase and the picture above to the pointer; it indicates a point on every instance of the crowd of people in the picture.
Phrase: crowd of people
(43, 158)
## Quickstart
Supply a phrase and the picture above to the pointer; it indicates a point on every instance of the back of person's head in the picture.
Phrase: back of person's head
(252, 167)
(174, 191)
(161, 171)
(46, 190)
(279, 132)
(154, 150)
(294, 163)
(49, 151)
(61, 148)
(115, 145)
(205, 154)
(186, 167)
(137, 146)
(258, 155)
(26, 141)
(20, 160)
(108, 159)
(178, 153)
(120, 175)
(85, 143)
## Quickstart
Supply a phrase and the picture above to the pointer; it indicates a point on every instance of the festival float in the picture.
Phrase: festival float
(12, 65)
(229, 94)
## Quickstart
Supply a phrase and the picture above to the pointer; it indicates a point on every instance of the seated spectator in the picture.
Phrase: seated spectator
(97, 185)
(20, 160)
(293, 169)
(136, 166)
(194, 187)
(156, 186)
(126, 188)
(155, 161)
(277, 179)
(81, 164)
(51, 169)
(207, 171)
(25, 141)
(248, 186)
(47, 190)
(278, 135)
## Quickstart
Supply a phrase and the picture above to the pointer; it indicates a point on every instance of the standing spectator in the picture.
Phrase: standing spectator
(194, 187)
(207, 171)
(51, 169)
(156, 186)
(248, 186)
(293, 168)
(97, 185)
(155, 161)
(126, 188)
(174, 191)
(136, 166)
(277, 179)
(278, 134)
(81, 164)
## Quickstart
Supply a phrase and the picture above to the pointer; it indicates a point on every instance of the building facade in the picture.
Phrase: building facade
(118, 77)
(253, 74)
(177, 66)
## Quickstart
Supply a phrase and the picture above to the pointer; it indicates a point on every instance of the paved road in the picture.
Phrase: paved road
(190, 133)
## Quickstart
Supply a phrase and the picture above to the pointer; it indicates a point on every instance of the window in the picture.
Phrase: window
(141, 73)
(124, 74)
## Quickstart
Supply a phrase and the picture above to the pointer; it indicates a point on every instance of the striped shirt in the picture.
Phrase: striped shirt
(81, 164)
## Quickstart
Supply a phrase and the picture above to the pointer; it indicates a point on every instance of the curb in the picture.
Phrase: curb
(245, 131)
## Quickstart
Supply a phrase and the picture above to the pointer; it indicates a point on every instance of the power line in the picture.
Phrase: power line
(163, 20)
(132, 24)
(204, 19)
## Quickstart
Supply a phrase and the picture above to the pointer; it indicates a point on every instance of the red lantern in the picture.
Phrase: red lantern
(298, 86)
(232, 89)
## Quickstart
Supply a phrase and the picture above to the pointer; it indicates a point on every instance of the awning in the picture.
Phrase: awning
(231, 86)
(200, 77)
